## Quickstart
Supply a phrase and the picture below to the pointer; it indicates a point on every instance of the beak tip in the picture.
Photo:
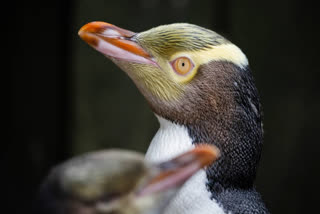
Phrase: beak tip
(83, 29)
(95, 27)
(210, 153)
(80, 32)
(88, 31)
(216, 151)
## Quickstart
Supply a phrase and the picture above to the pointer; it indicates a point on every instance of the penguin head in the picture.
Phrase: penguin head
(163, 61)
(196, 78)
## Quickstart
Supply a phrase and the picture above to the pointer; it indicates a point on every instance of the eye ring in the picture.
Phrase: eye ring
(182, 65)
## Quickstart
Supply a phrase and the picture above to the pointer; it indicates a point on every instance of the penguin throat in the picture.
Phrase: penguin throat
(171, 140)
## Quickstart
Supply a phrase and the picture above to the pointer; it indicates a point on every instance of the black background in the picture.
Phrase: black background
(68, 99)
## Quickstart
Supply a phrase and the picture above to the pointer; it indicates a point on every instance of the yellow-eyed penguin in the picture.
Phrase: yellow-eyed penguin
(118, 182)
(201, 89)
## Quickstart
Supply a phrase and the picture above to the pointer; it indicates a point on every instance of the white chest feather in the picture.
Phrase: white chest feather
(193, 198)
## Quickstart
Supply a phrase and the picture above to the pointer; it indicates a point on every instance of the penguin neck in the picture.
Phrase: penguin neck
(171, 140)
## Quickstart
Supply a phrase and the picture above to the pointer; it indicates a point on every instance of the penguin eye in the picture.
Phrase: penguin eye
(182, 65)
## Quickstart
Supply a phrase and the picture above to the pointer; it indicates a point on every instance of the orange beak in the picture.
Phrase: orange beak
(114, 42)
(176, 172)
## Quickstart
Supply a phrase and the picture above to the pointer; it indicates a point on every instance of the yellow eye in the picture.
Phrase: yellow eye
(182, 65)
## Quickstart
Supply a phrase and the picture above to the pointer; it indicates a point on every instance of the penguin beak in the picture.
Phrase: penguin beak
(174, 173)
(115, 42)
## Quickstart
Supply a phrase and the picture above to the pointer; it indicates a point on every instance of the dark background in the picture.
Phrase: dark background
(68, 99)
